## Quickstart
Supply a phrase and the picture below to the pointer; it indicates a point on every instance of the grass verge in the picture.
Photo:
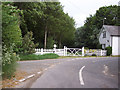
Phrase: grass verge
(116, 56)
(38, 57)
(79, 56)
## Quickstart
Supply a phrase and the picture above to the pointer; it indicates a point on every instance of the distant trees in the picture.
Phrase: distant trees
(48, 23)
(87, 35)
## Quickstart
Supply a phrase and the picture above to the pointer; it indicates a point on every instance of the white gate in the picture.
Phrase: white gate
(73, 51)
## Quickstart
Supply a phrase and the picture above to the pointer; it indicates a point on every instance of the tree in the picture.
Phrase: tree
(88, 34)
(11, 33)
(48, 22)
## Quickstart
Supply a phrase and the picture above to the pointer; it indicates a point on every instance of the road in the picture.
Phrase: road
(81, 73)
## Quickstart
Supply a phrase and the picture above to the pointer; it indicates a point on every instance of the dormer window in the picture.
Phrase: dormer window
(104, 34)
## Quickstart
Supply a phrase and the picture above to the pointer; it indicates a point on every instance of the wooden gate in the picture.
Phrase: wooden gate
(73, 51)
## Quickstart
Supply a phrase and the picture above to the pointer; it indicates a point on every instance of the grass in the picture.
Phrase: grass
(52, 56)
(38, 57)
(79, 56)
(116, 56)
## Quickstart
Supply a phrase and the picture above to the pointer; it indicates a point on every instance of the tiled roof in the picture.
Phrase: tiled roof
(113, 30)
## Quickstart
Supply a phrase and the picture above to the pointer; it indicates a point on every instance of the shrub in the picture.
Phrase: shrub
(86, 48)
(94, 54)
(109, 50)
(9, 59)
(28, 44)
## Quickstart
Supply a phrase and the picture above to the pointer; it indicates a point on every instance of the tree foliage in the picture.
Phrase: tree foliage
(88, 34)
(11, 38)
(47, 21)
(11, 32)
(28, 44)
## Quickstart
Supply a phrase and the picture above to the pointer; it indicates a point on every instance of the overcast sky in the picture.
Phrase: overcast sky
(80, 9)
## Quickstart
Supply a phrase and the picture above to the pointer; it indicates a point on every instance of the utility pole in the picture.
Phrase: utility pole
(104, 21)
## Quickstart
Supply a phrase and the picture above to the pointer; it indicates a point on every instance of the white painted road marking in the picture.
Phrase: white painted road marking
(80, 76)
(31, 76)
(38, 72)
(105, 70)
(22, 80)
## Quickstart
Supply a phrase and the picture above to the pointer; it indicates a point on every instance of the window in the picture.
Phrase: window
(104, 34)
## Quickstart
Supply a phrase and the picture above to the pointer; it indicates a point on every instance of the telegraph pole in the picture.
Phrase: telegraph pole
(104, 21)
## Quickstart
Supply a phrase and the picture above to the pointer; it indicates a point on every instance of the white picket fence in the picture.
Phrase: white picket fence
(71, 51)
(98, 52)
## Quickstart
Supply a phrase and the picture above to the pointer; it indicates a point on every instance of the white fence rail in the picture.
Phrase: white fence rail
(72, 51)
(97, 52)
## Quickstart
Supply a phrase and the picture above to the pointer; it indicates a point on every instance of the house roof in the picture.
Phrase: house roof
(113, 30)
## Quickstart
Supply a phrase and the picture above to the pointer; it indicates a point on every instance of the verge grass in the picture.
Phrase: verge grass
(79, 56)
(38, 57)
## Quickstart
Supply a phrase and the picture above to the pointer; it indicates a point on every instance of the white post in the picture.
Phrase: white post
(82, 51)
(64, 50)
(101, 53)
(41, 51)
(54, 49)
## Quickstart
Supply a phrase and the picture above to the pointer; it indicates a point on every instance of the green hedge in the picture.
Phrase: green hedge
(9, 62)
(109, 50)
(38, 57)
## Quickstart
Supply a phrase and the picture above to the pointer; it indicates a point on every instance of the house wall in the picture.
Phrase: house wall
(115, 45)
(105, 40)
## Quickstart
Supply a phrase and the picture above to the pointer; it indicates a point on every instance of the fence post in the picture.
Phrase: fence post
(41, 51)
(82, 51)
(101, 52)
(54, 50)
(64, 50)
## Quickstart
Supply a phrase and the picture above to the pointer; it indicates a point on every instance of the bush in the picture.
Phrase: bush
(9, 59)
(94, 55)
(86, 48)
(28, 44)
(38, 57)
(109, 50)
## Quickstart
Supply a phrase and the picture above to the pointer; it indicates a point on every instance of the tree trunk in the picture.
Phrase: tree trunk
(45, 40)
(60, 42)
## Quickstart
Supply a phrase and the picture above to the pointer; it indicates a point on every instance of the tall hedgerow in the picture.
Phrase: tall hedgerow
(11, 34)
(9, 63)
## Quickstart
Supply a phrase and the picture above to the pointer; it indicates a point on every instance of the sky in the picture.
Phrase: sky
(80, 9)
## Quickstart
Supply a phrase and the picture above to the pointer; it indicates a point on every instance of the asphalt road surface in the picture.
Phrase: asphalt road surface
(81, 73)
